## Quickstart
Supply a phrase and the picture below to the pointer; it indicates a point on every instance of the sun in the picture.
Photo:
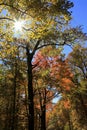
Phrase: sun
(18, 25)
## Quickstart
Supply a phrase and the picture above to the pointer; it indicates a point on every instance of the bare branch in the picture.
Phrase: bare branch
(28, 29)
(51, 97)
(70, 45)
(53, 44)
(6, 18)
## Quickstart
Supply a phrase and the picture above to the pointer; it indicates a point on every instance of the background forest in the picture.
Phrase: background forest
(34, 69)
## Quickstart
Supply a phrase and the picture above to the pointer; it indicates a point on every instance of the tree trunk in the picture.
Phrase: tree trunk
(43, 118)
(43, 113)
(30, 91)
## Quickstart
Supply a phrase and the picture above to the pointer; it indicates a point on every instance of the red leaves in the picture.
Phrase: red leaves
(59, 70)
(40, 60)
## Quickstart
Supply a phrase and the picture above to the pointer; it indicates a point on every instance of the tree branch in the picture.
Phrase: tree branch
(53, 44)
(51, 97)
(35, 48)
(11, 6)
(28, 29)
(6, 18)
(35, 65)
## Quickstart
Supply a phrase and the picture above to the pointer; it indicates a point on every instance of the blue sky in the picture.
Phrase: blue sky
(79, 17)
(79, 13)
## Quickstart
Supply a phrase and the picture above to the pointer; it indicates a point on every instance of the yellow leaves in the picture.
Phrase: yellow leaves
(8, 46)
(40, 82)
(10, 76)
(11, 51)
(42, 31)
(53, 1)
(45, 73)
(46, 51)
(7, 50)
(43, 23)
(66, 17)
(51, 51)
(41, 28)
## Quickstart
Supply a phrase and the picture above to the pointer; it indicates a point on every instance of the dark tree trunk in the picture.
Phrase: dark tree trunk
(43, 113)
(30, 91)
(43, 118)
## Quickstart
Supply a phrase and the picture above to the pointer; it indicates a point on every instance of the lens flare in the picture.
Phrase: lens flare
(18, 25)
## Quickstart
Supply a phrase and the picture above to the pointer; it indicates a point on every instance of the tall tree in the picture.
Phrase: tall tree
(47, 19)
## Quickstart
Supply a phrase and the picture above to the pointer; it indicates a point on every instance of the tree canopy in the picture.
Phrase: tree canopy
(34, 70)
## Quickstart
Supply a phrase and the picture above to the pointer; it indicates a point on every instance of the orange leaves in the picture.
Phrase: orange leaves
(67, 104)
(57, 69)
(66, 83)
(41, 60)
(66, 80)
(71, 75)
(62, 74)
(55, 72)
